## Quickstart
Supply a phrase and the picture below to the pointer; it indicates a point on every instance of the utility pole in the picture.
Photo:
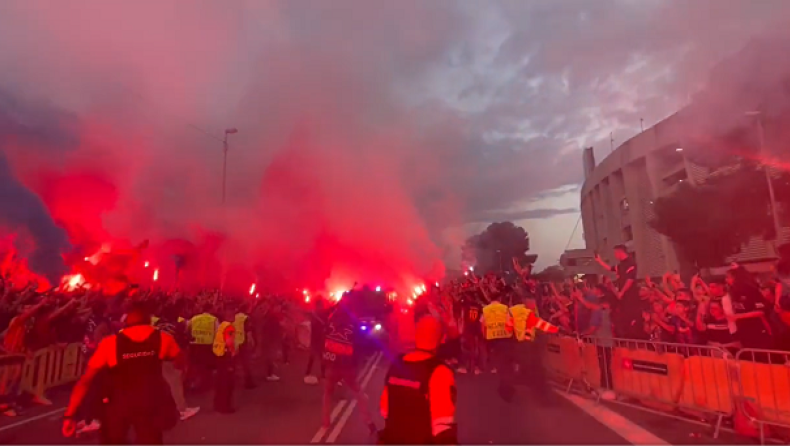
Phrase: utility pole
(611, 142)
(642, 124)
(224, 187)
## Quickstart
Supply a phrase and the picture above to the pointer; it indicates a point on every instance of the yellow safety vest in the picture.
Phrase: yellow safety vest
(203, 329)
(520, 315)
(495, 317)
(238, 324)
(219, 339)
(154, 320)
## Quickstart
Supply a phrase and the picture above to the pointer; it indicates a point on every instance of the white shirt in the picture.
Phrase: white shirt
(726, 305)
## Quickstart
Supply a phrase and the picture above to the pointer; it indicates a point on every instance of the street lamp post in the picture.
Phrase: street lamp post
(224, 187)
(225, 160)
(763, 154)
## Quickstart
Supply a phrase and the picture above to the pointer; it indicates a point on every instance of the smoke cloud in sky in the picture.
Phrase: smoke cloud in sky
(372, 137)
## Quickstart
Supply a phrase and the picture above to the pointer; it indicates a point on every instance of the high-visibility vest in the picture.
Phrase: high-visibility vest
(495, 318)
(238, 324)
(520, 315)
(219, 339)
(203, 329)
(154, 320)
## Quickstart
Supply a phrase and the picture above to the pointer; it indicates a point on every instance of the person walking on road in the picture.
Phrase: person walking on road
(340, 358)
(418, 401)
(225, 356)
(139, 398)
(317, 328)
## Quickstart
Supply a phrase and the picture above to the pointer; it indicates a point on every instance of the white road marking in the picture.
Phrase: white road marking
(350, 408)
(322, 430)
(630, 431)
(342, 403)
(31, 419)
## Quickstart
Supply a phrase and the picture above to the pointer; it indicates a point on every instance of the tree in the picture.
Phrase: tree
(554, 273)
(495, 247)
(712, 221)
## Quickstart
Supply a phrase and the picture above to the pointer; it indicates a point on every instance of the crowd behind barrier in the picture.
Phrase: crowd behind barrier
(751, 389)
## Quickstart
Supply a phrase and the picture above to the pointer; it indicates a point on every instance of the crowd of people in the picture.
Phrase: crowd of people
(31, 320)
(738, 310)
(483, 323)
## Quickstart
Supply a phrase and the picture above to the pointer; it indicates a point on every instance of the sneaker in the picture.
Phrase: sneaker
(93, 426)
(8, 410)
(189, 413)
(608, 395)
(42, 400)
(478, 371)
(310, 379)
(272, 378)
(461, 370)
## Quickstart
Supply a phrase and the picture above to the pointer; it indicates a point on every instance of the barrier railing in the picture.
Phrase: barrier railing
(46, 368)
(701, 382)
(764, 387)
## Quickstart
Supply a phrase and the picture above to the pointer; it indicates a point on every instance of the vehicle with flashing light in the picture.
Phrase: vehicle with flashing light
(372, 333)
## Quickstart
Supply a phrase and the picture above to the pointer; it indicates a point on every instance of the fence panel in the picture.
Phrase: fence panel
(46, 368)
(764, 388)
(670, 378)
(563, 360)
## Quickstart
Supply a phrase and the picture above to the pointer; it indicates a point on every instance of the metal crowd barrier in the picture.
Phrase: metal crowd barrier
(46, 368)
(764, 385)
(688, 381)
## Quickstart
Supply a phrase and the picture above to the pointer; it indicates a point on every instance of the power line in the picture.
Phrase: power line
(172, 115)
(574, 231)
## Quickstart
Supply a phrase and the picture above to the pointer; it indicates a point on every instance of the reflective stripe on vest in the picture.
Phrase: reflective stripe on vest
(203, 329)
(495, 317)
(520, 315)
(219, 339)
(238, 324)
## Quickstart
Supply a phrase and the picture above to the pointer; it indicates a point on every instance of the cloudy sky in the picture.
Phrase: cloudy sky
(437, 116)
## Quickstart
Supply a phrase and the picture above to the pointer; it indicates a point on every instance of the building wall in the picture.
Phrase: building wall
(617, 197)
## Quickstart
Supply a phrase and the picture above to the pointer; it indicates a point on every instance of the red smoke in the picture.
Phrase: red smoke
(324, 178)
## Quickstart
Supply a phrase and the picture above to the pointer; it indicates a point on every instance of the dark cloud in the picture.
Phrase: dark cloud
(445, 111)
(517, 215)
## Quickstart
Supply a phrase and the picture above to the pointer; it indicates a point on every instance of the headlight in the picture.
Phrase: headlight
(377, 327)
(364, 328)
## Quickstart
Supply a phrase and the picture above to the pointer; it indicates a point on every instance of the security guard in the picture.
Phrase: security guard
(528, 355)
(244, 345)
(418, 401)
(139, 398)
(203, 328)
(224, 349)
(498, 332)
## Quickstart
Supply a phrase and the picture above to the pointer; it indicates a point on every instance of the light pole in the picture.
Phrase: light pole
(225, 160)
(771, 196)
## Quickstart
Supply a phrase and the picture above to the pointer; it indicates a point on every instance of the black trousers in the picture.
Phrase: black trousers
(224, 384)
(316, 354)
(118, 422)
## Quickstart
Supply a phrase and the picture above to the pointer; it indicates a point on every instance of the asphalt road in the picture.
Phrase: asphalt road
(288, 412)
